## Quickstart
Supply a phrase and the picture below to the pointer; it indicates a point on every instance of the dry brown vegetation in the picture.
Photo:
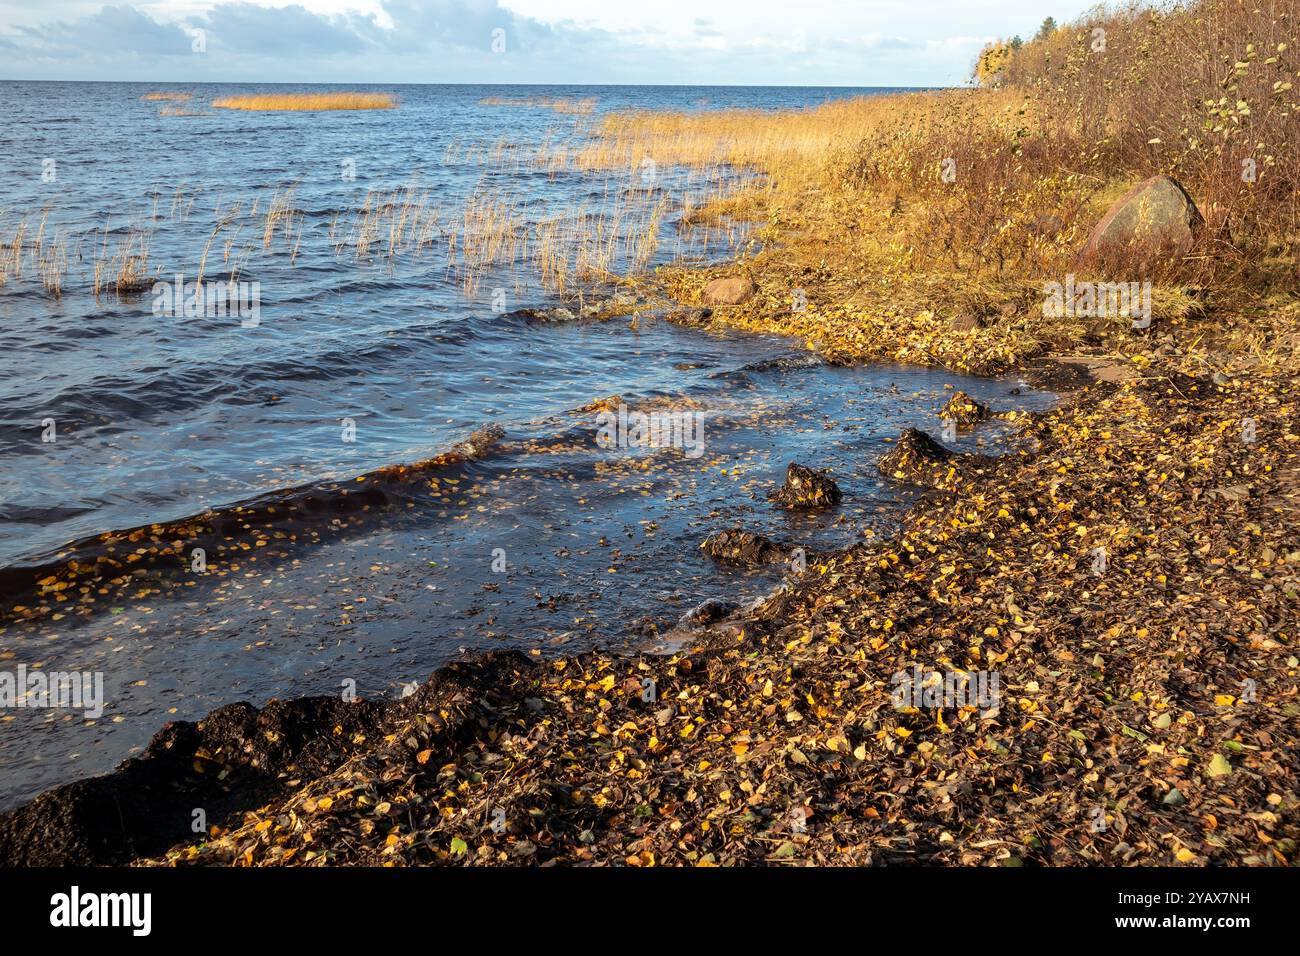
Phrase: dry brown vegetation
(11, 253)
(308, 101)
(1202, 91)
(282, 215)
(568, 247)
(49, 255)
(125, 270)
(852, 205)
(560, 104)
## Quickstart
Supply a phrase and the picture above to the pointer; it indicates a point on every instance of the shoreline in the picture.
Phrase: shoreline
(220, 763)
(265, 645)
(148, 783)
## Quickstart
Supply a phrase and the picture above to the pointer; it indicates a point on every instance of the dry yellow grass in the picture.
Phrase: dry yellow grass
(923, 227)
(308, 101)
(893, 215)
(561, 104)
(125, 271)
(11, 253)
(52, 263)
(850, 215)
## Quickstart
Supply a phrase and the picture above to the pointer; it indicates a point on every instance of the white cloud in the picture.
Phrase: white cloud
(888, 43)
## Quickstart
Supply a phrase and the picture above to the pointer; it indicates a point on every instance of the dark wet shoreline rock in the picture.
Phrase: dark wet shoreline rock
(784, 363)
(480, 442)
(557, 314)
(806, 488)
(744, 548)
(707, 613)
(691, 318)
(964, 410)
(596, 310)
(917, 458)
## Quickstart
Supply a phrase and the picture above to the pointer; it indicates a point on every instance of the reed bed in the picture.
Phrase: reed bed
(11, 252)
(307, 102)
(125, 270)
(490, 233)
(52, 264)
(49, 257)
(282, 215)
(225, 219)
(979, 190)
(580, 106)
(168, 97)
(395, 221)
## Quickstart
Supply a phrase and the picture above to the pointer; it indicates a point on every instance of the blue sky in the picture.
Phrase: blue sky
(801, 42)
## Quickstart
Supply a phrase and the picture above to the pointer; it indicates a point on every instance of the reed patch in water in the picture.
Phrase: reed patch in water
(560, 104)
(282, 214)
(307, 102)
(126, 270)
(11, 253)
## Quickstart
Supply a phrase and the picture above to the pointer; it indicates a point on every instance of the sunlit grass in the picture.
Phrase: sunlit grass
(124, 271)
(308, 101)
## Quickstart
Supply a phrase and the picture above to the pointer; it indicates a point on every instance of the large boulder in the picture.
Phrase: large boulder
(731, 291)
(1154, 220)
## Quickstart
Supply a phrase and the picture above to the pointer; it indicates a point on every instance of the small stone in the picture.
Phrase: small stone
(964, 410)
(734, 546)
(709, 612)
(805, 488)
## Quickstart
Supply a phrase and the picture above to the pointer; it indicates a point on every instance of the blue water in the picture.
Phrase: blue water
(157, 418)
(160, 417)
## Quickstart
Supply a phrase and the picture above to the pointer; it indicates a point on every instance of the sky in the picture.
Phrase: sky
(722, 42)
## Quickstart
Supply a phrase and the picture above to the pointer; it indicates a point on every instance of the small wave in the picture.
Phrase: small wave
(298, 513)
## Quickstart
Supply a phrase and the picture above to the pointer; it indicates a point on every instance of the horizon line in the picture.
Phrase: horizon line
(723, 86)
